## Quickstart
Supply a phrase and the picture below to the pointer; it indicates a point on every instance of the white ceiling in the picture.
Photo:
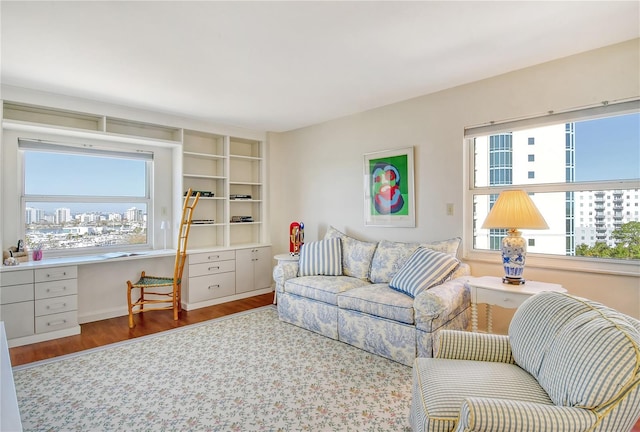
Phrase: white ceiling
(277, 66)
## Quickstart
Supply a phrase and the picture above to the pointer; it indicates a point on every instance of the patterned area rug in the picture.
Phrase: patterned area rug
(245, 372)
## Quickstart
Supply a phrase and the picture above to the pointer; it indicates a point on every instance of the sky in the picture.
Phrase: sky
(608, 149)
(65, 174)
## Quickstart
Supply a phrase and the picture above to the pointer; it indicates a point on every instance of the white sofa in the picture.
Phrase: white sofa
(388, 298)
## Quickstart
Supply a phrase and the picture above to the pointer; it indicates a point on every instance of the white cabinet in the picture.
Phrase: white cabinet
(56, 298)
(221, 275)
(39, 304)
(210, 275)
(16, 303)
(253, 269)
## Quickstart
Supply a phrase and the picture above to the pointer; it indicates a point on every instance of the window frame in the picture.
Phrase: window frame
(541, 260)
(108, 149)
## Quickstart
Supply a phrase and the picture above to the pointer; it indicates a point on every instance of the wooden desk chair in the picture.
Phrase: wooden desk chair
(157, 286)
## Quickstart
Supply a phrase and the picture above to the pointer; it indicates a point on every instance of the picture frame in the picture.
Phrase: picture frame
(389, 188)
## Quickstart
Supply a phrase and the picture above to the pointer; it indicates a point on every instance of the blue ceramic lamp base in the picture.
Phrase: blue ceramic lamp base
(514, 251)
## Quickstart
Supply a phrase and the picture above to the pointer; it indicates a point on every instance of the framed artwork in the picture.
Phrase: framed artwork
(388, 188)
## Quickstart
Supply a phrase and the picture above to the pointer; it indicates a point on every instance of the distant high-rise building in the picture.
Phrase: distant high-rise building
(134, 215)
(33, 215)
(62, 215)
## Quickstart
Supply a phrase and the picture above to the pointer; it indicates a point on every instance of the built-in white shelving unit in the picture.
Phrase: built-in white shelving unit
(218, 160)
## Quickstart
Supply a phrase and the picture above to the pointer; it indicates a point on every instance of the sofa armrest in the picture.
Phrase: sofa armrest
(485, 414)
(284, 271)
(462, 345)
(438, 305)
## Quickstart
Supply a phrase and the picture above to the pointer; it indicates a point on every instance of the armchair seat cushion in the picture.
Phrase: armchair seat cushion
(379, 300)
(322, 288)
(440, 386)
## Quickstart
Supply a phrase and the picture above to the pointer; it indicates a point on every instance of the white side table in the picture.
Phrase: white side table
(282, 258)
(492, 291)
(286, 257)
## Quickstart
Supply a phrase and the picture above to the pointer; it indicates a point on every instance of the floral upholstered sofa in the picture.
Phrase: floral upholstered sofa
(388, 298)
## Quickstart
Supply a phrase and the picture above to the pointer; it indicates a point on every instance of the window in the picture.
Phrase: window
(80, 199)
(574, 167)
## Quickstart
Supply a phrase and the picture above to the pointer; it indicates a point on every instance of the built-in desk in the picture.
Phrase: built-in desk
(41, 300)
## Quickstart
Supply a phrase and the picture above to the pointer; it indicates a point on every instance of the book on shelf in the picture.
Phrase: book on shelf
(239, 219)
(239, 197)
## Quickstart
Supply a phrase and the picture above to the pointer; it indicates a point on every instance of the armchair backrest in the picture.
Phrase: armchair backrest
(582, 353)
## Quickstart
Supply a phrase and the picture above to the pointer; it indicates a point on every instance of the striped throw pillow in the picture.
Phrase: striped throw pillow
(424, 269)
(323, 257)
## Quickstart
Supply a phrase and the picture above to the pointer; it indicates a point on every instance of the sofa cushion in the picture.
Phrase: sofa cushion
(449, 246)
(586, 356)
(379, 300)
(424, 269)
(322, 288)
(388, 258)
(323, 257)
(356, 254)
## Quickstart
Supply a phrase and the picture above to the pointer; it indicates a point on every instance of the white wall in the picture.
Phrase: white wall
(323, 184)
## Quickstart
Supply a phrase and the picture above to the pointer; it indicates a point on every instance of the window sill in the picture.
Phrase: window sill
(564, 263)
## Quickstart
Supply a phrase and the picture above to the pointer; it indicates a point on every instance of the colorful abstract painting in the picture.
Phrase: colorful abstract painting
(389, 188)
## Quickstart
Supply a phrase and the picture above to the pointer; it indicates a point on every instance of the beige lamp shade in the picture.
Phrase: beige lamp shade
(514, 209)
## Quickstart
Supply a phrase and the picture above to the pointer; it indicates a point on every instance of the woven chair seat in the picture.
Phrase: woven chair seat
(151, 281)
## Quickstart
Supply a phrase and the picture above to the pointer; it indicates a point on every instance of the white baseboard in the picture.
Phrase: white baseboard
(41, 337)
(192, 306)
(118, 312)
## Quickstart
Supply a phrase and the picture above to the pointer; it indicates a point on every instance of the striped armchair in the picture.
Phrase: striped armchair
(568, 364)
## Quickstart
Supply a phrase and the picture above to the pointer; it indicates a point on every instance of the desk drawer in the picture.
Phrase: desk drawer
(509, 300)
(56, 288)
(16, 293)
(56, 273)
(204, 288)
(57, 321)
(211, 268)
(212, 257)
(56, 305)
(16, 277)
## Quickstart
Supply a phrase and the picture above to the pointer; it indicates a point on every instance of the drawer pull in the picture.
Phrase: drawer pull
(57, 306)
(50, 275)
(214, 268)
(213, 257)
(55, 290)
(214, 286)
(57, 323)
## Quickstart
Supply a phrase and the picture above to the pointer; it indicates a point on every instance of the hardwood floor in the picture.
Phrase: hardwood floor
(99, 333)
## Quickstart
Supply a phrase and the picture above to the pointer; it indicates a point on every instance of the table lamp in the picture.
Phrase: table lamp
(513, 210)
